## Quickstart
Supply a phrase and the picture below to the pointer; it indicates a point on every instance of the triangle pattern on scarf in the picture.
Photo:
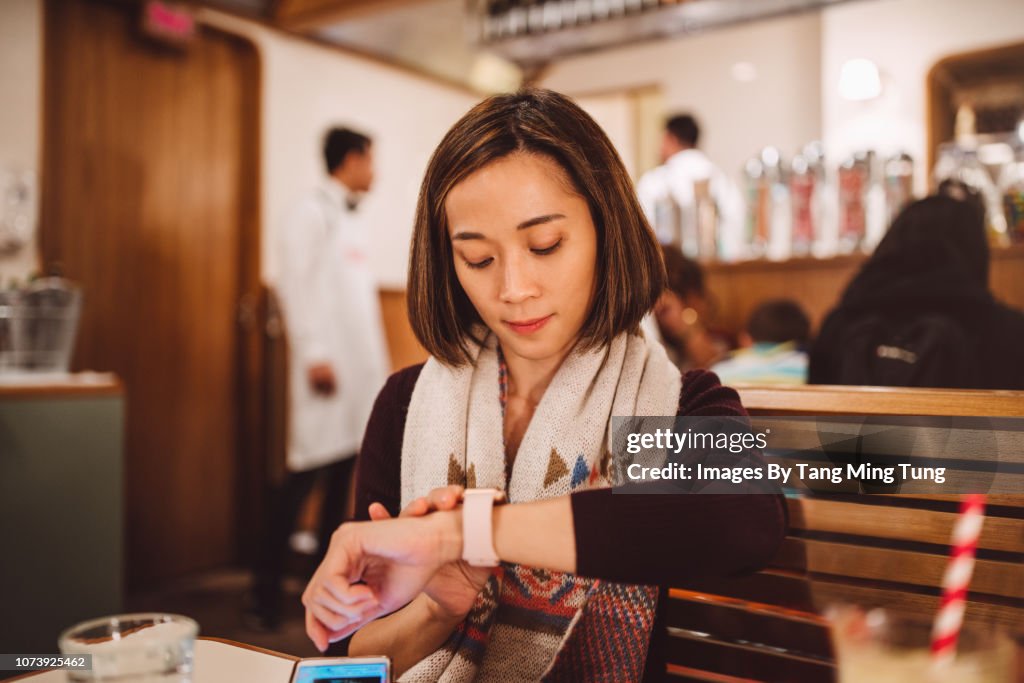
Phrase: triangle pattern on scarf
(456, 473)
(556, 469)
(579, 471)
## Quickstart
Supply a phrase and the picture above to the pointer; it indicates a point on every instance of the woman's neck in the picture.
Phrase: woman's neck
(528, 379)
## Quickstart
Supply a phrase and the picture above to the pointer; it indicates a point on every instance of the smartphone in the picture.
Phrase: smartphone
(343, 670)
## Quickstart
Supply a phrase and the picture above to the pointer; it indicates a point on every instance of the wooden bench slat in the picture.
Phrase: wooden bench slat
(924, 607)
(1003, 579)
(994, 501)
(961, 481)
(786, 590)
(900, 437)
(709, 654)
(909, 524)
(685, 674)
(812, 596)
(842, 400)
(994, 444)
(736, 624)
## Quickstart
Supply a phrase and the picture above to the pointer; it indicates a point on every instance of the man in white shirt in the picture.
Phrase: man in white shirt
(669, 194)
(337, 353)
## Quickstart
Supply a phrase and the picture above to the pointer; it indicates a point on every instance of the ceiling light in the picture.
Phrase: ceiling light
(859, 80)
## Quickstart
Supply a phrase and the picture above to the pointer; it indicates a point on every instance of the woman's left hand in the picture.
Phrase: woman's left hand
(453, 589)
(374, 568)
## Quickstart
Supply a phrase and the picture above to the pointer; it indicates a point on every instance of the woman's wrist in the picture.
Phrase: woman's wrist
(448, 526)
(440, 616)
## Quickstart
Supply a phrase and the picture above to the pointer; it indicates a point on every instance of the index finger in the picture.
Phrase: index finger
(316, 631)
(446, 497)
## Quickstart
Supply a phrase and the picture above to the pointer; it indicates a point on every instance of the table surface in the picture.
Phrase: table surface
(59, 385)
(217, 661)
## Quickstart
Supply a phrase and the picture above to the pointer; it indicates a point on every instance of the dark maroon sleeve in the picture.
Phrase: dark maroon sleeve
(668, 539)
(379, 469)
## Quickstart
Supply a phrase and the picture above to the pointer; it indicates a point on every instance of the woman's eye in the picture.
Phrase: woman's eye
(547, 250)
(479, 264)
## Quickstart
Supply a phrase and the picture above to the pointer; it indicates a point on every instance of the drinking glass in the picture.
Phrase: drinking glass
(133, 648)
(877, 646)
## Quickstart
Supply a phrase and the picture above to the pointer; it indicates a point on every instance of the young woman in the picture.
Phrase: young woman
(924, 297)
(531, 268)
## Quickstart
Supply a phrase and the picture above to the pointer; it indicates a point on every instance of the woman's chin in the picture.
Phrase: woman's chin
(537, 348)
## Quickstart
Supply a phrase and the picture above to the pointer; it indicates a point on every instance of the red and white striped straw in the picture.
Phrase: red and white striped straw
(958, 576)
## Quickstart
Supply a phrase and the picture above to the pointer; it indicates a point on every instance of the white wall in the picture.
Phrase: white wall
(780, 107)
(21, 62)
(904, 38)
(615, 114)
(306, 89)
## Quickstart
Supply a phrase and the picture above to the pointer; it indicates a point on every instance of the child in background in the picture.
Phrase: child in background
(682, 319)
(773, 347)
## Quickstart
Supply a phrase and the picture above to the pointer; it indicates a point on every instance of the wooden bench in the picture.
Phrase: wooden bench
(871, 550)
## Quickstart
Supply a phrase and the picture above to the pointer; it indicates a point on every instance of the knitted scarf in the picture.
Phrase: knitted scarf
(534, 624)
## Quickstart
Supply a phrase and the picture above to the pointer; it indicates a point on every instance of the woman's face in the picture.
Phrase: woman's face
(525, 251)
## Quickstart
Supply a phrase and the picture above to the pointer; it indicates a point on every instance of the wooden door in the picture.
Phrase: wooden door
(149, 201)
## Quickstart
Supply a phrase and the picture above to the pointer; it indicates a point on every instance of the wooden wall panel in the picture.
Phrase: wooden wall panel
(403, 347)
(817, 284)
(149, 201)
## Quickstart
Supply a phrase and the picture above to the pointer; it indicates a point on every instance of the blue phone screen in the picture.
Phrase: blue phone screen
(343, 673)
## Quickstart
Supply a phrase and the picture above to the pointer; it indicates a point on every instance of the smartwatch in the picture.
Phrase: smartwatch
(478, 526)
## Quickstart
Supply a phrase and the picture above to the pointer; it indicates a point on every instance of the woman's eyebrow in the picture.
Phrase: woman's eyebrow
(463, 235)
(547, 218)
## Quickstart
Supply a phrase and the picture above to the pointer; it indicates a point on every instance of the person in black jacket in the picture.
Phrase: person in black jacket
(920, 314)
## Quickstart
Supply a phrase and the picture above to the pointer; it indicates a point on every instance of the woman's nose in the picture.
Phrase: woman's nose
(517, 281)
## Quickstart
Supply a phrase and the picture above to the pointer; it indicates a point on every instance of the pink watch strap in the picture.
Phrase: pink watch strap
(478, 528)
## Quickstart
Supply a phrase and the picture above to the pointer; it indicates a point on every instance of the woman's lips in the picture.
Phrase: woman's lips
(528, 326)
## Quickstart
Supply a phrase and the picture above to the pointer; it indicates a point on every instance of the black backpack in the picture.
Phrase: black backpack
(924, 350)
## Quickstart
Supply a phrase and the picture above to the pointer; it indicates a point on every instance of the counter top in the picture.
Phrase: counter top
(44, 385)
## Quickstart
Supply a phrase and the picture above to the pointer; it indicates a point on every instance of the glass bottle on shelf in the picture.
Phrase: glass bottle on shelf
(780, 212)
(874, 202)
(668, 221)
(854, 183)
(957, 165)
(706, 221)
(806, 186)
(1011, 185)
(946, 164)
(758, 207)
(822, 207)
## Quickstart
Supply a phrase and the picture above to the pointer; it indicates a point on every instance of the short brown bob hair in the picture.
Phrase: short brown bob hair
(629, 271)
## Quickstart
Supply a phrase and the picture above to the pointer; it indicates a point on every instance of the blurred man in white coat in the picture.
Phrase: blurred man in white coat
(337, 353)
(685, 172)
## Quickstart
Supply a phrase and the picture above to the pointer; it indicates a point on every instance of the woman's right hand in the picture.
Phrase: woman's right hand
(455, 586)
